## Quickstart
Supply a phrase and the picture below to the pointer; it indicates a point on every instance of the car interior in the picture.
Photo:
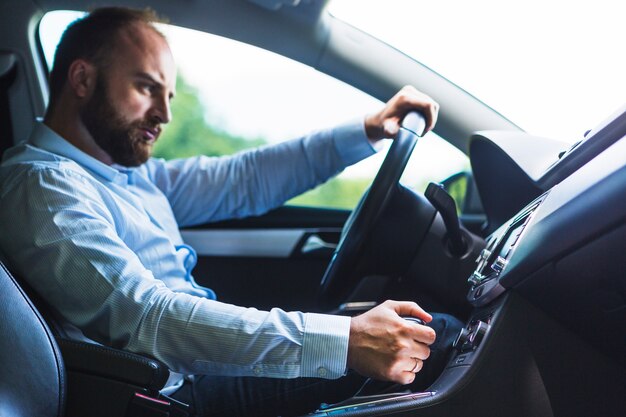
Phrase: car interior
(532, 259)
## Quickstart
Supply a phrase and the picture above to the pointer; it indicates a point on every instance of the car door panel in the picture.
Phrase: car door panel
(275, 260)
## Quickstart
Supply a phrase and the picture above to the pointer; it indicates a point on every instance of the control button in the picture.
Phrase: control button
(480, 330)
(322, 372)
(484, 254)
(460, 359)
(461, 339)
(469, 338)
(499, 264)
(475, 278)
(257, 370)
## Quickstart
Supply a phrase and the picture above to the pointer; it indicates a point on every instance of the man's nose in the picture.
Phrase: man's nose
(161, 109)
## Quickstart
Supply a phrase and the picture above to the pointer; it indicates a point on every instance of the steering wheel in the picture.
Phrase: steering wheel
(338, 278)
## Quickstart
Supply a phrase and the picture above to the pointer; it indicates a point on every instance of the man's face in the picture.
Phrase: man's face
(131, 97)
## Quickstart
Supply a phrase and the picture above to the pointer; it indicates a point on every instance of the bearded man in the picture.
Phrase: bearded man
(91, 222)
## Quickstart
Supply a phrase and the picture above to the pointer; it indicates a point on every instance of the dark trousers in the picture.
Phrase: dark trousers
(251, 396)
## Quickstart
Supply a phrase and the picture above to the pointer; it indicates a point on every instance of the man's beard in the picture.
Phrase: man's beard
(122, 140)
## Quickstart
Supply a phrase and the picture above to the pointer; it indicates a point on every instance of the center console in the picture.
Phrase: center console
(546, 333)
(494, 258)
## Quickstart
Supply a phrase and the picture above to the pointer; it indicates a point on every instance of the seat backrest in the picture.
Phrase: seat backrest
(32, 376)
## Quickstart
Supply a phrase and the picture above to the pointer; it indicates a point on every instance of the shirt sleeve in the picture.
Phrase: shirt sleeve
(63, 237)
(203, 189)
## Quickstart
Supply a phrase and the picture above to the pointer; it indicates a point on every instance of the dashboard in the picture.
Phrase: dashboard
(564, 251)
(546, 333)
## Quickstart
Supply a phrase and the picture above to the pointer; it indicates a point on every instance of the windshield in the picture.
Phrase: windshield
(555, 68)
(209, 116)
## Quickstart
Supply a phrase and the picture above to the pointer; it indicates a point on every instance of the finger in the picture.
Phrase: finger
(412, 364)
(406, 374)
(422, 334)
(409, 308)
(431, 113)
(405, 378)
(420, 351)
(419, 364)
(411, 99)
(427, 108)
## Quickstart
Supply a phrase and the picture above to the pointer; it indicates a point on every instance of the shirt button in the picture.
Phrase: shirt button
(257, 370)
(322, 372)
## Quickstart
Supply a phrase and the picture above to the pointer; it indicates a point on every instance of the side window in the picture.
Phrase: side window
(232, 96)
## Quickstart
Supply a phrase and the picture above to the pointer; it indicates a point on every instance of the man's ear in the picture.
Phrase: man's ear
(81, 77)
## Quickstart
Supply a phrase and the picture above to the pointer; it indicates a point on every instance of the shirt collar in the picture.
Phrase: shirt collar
(45, 138)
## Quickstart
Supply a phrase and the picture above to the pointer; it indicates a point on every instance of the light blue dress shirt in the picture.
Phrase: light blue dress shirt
(101, 244)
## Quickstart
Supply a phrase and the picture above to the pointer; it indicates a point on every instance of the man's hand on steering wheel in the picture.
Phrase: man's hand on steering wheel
(386, 123)
(406, 116)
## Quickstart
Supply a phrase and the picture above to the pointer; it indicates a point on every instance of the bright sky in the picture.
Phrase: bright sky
(554, 67)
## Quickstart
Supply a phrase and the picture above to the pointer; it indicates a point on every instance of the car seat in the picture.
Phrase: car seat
(43, 375)
(32, 375)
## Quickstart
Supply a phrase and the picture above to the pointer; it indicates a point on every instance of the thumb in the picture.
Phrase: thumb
(391, 128)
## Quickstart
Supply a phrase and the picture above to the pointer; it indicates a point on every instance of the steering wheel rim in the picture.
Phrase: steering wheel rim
(336, 282)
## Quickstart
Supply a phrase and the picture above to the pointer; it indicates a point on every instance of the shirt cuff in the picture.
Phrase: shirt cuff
(325, 346)
(351, 142)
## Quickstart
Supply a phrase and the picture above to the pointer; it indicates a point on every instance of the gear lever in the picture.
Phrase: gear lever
(445, 205)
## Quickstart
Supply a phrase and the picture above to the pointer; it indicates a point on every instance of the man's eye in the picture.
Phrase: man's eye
(148, 88)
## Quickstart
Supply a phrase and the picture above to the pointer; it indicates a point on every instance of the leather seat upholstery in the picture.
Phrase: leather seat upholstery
(43, 375)
(32, 375)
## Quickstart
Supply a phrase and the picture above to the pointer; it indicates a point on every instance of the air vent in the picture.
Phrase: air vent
(494, 258)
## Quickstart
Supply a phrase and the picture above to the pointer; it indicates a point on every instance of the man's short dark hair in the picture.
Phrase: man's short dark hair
(92, 38)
